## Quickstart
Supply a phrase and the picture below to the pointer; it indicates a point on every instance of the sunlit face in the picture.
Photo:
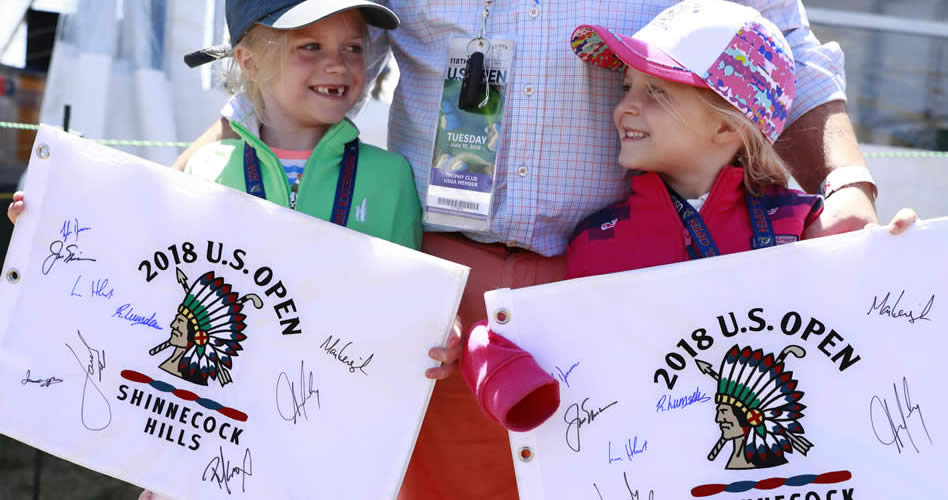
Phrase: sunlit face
(727, 420)
(179, 331)
(323, 74)
(662, 125)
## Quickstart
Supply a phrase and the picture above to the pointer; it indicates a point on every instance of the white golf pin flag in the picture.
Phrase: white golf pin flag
(204, 343)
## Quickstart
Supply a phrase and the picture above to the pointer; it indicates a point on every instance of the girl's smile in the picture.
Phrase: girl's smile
(336, 91)
(321, 77)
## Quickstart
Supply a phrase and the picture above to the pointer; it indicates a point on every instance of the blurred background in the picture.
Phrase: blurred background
(118, 66)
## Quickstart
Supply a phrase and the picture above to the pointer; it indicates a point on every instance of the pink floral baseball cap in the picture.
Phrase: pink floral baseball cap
(731, 49)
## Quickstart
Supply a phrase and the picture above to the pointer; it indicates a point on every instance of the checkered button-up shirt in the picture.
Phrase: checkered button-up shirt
(556, 163)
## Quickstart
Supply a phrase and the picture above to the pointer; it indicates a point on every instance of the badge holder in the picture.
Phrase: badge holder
(472, 88)
(461, 183)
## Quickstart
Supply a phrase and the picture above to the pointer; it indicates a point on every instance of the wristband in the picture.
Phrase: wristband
(841, 177)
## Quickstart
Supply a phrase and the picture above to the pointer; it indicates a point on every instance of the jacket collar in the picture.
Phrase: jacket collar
(239, 111)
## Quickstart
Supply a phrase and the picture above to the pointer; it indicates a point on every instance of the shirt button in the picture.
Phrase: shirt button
(528, 89)
(523, 171)
(534, 11)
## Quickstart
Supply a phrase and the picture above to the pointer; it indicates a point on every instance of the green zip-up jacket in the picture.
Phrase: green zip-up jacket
(384, 200)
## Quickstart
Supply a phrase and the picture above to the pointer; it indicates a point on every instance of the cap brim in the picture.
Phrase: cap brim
(600, 46)
(206, 55)
(311, 11)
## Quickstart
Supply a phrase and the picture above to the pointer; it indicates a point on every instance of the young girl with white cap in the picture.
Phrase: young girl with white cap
(297, 69)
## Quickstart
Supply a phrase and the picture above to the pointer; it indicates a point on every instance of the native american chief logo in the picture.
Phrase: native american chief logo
(757, 408)
(207, 330)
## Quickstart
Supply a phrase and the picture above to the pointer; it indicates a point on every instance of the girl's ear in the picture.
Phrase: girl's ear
(245, 59)
(726, 134)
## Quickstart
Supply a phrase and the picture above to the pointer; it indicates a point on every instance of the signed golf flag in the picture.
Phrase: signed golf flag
(203, 343)
(804, 371)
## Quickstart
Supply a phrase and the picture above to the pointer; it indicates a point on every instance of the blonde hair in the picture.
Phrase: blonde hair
(762, 165)
(269, 48)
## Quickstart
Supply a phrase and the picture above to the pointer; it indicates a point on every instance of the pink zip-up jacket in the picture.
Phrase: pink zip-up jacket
(642, 231)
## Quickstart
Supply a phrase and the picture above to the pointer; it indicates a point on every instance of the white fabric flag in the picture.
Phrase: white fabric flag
(203, 343)
(804, 371)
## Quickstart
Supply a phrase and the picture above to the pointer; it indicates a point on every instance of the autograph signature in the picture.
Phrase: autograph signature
(344, 358)
(221, 471)
(576, 422)
(633, 494)
(42, 382)
(564, 376)
(95, 366)
(895, 430)
(72, 228)
(631, 449)
(56, 254)
(298, 400)
(894, 311)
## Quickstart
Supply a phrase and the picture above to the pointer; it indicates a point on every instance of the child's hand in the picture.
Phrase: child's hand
(901, 221)
(449, 355)
(16, 207)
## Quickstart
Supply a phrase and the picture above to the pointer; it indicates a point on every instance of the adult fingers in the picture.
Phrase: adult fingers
(902, 220)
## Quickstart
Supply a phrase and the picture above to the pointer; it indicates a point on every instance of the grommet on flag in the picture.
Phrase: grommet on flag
(526, 454)
(13, 276)
(502, 316)
(42, 151)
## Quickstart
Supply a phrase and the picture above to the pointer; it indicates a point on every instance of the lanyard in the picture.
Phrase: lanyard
(701, 237)
(484, 14)
(344, 185)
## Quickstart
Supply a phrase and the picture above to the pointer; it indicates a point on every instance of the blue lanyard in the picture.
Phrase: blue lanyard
(702, 245)
(760, 222)
(344, 185)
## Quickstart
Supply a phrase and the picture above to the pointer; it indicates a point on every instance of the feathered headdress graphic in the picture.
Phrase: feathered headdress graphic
(212, 314)
(766, 400)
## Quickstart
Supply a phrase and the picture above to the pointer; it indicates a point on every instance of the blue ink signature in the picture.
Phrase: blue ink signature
(666, 403)
(72, 228)
(564, 376)
(631, 449)
(126, 312)
(99, 288)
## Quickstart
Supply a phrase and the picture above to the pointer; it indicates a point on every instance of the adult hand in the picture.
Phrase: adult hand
(16, 207)
(817, 141)
(849, 209)
(902, 220)
(449, 355)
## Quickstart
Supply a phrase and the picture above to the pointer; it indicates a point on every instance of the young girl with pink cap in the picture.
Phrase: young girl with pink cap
(708, 87)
